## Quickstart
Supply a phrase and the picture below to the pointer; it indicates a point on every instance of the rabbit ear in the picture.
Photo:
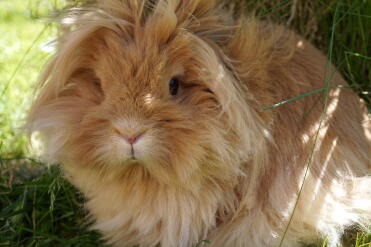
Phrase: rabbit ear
(199, 17)
(136, 10)
(155, 18)
(124, 17)
(129, 10)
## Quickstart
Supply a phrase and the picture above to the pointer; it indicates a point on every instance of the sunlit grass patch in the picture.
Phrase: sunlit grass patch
(21, 59)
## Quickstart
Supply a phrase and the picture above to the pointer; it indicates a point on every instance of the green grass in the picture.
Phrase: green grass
(38, 207)
(21, 60)
(43, 210)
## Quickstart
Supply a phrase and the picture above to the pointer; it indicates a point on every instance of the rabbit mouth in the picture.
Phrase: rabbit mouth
(131, 160)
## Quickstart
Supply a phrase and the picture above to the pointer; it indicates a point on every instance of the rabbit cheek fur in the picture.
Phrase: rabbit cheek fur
(207, 163)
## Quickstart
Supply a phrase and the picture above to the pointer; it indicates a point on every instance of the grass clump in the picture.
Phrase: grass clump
(43, 210)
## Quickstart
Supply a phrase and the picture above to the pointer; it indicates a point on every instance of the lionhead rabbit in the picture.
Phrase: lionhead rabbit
(154, 110)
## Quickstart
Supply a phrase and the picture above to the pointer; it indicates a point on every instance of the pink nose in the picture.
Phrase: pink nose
(129, 136)
(131, 140)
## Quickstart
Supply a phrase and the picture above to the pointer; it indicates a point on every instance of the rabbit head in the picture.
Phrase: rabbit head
(144, 86)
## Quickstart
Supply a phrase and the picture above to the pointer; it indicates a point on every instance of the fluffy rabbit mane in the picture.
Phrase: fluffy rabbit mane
(211, 165)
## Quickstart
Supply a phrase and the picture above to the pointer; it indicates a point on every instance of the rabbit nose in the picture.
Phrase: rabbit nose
(131, 133)
(131, 139)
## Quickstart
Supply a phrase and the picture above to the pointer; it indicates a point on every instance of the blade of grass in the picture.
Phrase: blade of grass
(318, 90)
(325, 242)
(267, 11)
(364, 245)
(357, 55)
(23, 59)
(45, 235)
(322, 117)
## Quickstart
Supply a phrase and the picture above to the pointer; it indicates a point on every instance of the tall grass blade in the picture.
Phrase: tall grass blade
(322, 117)
(23, 58)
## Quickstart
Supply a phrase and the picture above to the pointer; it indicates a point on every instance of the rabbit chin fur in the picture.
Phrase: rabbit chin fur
(210, 164)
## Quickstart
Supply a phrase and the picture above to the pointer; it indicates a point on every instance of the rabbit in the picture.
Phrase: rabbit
(155, 111)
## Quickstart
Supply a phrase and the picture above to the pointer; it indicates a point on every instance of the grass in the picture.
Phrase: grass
(38, 207)
(44, 210)
(21, 59)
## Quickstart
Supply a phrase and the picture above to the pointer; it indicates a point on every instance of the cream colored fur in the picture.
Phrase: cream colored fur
(210, 164)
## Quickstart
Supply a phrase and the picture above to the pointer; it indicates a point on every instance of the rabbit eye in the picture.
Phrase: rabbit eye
(173, 86)
(98, 85)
